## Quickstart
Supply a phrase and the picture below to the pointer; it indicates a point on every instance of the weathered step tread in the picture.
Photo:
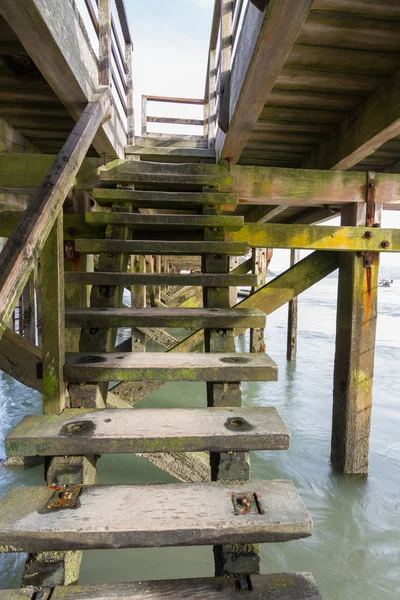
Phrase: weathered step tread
(88, 246)
(165, 317)
(147, 516)
(122, 431)
(151, 199)
(277, 586)
(169, 366)
(161, 221)
(169, 151)
(163, 279)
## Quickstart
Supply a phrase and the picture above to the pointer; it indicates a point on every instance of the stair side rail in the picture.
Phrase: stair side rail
(24, 246)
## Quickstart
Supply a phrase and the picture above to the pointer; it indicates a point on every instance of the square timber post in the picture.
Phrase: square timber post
(355, 344)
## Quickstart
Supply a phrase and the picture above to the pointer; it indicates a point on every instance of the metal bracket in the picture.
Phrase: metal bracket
(65, 496)
(69, 250)
(246, 503)
(368, 257)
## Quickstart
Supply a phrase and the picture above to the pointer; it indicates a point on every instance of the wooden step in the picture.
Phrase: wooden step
(277, 586)
(169, 366)
(197, 318)
(164, 200)
(176, 141)
(122, 431)
(162, 279)
(171, 154)
(185, 248)
(160, 221)
(144, 516)
(128, 171)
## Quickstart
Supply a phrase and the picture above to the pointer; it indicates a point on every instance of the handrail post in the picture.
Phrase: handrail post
(129, 95)
(212, 98)
(105, 42)
(144, 116)
(226, 58)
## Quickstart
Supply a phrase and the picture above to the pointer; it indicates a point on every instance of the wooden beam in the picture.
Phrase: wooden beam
(18, 257)
(19, 358)
(275, 40)
(372, 124)
(54, 39)
(314, 237)
(263, 213)
(225, 59)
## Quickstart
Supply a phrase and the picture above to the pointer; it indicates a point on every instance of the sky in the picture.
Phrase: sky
(171, 41)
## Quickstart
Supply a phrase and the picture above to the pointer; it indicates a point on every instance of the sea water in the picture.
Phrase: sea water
(354, 552)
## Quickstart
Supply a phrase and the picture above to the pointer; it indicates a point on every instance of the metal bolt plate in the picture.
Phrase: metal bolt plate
(65, 496)
(245, 504)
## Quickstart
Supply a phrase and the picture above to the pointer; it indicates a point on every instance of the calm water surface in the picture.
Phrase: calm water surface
(354, 552)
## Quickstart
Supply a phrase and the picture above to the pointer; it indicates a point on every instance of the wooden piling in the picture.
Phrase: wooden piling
(355, 350)
(291, 350)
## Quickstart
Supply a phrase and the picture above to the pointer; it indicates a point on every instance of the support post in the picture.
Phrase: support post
(292, 315)
(129, 95)
(260, 259)
(53, 326)
(355, 347)
(29, 309)
(105, 42)
(144, 116)
(212, 99)
(226, 59)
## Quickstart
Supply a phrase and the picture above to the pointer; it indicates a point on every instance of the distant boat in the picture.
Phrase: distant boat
(385, 281)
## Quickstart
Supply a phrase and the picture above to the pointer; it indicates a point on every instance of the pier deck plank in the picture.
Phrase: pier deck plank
(186, 248)
(162, 279)
(168, 366)
(149, 516)
(161, 199)
(79, 432)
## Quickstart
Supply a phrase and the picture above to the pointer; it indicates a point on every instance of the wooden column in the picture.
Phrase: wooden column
(226, 59)
(230, 558)
(53, 326)
(144, 116)
(29, 309)
(212, 99)
(259, 266)
(292, 315)
(104, 42)
(129, 95)
(355, 349)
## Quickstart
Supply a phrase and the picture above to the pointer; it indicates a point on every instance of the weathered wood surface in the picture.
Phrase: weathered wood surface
(363, 131)
(152, 247)
(164, 317)
(19, 358)
(291, 342)
(357, 313)
(169, 367)
(122, 431)
(159, 221)
(163, 279)
(168, 151)
(28, 238)
(146, 516)
(275, 36)
(321, 237)
(151, 199)
(105, 40)
(279, 586)
(23, 594)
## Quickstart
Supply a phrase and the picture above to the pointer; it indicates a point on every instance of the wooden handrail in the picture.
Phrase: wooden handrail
(26, 242)
(170, 120)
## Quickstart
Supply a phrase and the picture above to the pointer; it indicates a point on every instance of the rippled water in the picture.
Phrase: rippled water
(354, 552)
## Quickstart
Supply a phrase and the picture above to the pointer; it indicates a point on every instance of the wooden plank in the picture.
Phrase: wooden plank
(175, 121)
(363, 131)
(148, 153)
(129, 171)
(186, 248)
(157, 221)
(129, 95)
(79, 432)
(157, 366)
(27, 240)
(354, 356)
(19, 358)
(274, 42)
(315, 237)
(325, 81)
(54, 39)
(225, 64)
(193, 279)
(386, 9)
(104, 8)
(170, 515)
(164, 317)
(264, 213)
(145, 199)
(279, 586)
(53, 319)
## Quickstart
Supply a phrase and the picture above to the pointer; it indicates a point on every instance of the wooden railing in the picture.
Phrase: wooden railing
(117, 66)
(226, 25)
(146, 118)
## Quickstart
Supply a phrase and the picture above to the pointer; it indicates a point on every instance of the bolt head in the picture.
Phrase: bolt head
(385, 244)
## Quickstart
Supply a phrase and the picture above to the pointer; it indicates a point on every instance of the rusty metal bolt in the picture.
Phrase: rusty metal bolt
(65, 495)
(368, 261)
(368, 235)
(221, 332)
(93, 330)
(385, 244)
(376, 225)
(217, 257)
(110, 255)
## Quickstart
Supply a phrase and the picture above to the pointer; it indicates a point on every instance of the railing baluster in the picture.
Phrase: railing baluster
(105, 42)
(129, 95)
(226, 58)
(212, 98)
(144, 116)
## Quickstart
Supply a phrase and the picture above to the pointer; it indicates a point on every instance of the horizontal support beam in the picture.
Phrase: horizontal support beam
(19, 358)
(313, 237)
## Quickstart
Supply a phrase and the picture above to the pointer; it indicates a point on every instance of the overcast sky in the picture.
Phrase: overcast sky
(171, 42)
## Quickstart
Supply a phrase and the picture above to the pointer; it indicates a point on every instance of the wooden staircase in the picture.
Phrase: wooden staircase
(231, 513)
